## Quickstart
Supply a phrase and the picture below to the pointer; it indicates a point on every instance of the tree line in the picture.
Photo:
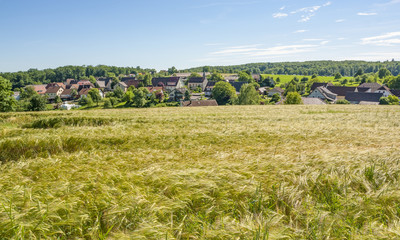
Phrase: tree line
(34, 76)
(321, 68)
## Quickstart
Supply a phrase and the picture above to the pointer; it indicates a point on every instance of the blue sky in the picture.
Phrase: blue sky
(188, 33)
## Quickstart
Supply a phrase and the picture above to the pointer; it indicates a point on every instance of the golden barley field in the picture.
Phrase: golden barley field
(234, 172)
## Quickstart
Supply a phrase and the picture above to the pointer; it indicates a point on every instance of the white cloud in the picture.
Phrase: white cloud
(324, 43)
(252, 51)
(366, 14)
(282, 8)
(309, 12)
(313, 39)
(376, 56)
(341, 39)
(340, 20)
(279, 15)
(388, 39)
(300, 31)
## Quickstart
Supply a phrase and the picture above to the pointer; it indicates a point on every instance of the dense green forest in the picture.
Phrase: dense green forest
(60, 74)
(321, 68)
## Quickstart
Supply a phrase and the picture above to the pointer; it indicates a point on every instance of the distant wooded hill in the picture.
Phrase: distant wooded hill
(321, 68)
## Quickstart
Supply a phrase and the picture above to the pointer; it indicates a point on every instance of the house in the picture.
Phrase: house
(104, 83)
(83, 92)
(324, 94)
(168, 83)
(209, 88)
(71, 86)
(155, 89)
(363, 97)
(341, 91)
(395, 92)
(177, 94)
(238, 86)
(263, 90)
(70, 81)
(56, 85)
(384, 90)
(195, 82)
(320, 84)
(312, 101)
(199, 103)
(85, 83)
(278, 90)
(256, 77)
(195, 97)
(232, 78)
(16, 96)
(373, 86)
(53, 92)
(133, 82)
(40, 89)
(67, 94)
(121, 85)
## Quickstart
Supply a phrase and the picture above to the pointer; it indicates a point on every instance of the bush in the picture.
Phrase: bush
(293, 98)
(342, 101)
(390, 100)
(107, 103)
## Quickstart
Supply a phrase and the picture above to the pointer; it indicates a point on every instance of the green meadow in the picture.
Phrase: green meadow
(232, 172)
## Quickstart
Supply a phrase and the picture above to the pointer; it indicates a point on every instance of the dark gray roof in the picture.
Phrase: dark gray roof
(196, 80)
(363, 97)
(363, 89)
(320, 84)
(374, 86)
(341, 90)
(165, 81)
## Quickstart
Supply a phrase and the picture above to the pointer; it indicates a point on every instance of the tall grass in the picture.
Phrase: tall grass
(239, 172)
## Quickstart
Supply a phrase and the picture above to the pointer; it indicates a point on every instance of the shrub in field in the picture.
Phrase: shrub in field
(57, 122)
(342, 101)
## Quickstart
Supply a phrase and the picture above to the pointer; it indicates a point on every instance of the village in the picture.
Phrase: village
(195, 90)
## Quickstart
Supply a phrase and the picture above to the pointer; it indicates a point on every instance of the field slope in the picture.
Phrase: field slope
(239, 172)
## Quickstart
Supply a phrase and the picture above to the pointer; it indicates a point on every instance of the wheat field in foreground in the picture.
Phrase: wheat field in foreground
(235, 172)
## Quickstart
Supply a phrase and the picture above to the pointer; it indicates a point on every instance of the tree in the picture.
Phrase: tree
(276, 98)
(245, 77)
(359, 72)
(224, 93)
(147, 79)
(394, 82)
(37, 103)
(187, 95)
(107, 103)
(27, 93)
(338, 76)
(172, 70)
(57, 99)
(216, 77)
(86, 101)
(95, 95)
(7, 101)
(293, 98)
(118, 92)
(248, 95)
(194, 75)
(139, 97)
(383, 72)
(74, 93)
(92, 79)
(128, 97)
